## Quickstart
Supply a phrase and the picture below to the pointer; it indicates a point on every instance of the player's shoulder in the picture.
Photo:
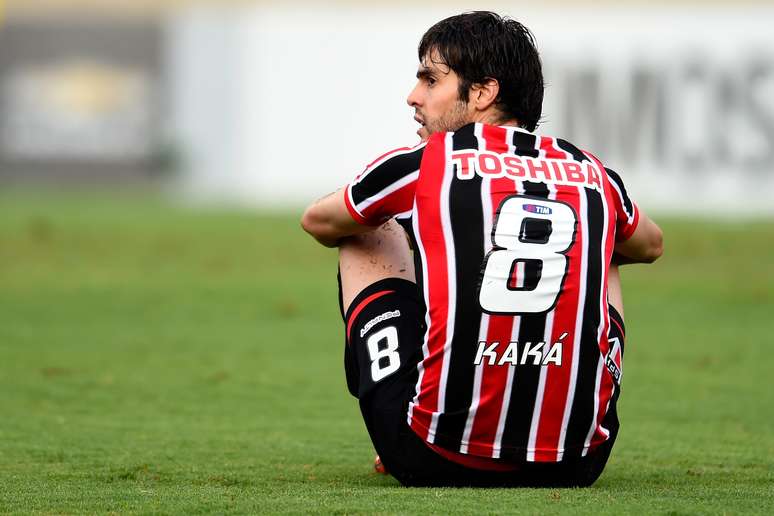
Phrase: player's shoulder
(611, 176)
(559, 147)
(608, 171)
(397, 152)
(396, 162)
(576, 152)
(579, 154)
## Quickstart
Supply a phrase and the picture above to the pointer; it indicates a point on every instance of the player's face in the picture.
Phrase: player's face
(436, 99)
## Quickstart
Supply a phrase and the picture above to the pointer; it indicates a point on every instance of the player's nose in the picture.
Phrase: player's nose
(414, 98)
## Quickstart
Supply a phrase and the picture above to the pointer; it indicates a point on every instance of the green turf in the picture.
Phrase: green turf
(158, 359)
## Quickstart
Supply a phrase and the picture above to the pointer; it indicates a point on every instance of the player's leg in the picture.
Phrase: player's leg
(384, 329)
(384, 332)
(369, 257)
(369, 265)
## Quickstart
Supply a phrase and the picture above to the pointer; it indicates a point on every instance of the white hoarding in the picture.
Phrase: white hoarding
(680, 100)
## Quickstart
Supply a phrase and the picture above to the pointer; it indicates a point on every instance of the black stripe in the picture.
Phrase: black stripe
(391, 170)
(581, 414)
(526, 377)
(613, 175)
(574, 151)
(467, 229)
(524, 144)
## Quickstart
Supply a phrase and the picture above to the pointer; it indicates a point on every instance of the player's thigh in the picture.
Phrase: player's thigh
(384, 333)
(369, 257)
(384, 328)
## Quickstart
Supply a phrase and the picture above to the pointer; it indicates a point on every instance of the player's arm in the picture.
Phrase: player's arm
(645, 245)
(328, 220)
(639, 239)
(383, 190)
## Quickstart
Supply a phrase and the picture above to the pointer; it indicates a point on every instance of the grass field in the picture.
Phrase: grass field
(156, 359)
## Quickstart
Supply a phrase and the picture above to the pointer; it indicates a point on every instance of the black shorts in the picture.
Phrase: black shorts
(384, 333)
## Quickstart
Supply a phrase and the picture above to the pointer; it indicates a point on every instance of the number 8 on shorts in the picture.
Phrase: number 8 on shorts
(383, 351)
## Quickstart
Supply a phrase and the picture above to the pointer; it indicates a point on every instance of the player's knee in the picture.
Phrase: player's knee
(382, 253)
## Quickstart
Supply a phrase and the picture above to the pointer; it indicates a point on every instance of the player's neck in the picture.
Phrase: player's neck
(494, 117)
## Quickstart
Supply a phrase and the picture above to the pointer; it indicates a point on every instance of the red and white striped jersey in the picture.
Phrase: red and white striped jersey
(513, 234)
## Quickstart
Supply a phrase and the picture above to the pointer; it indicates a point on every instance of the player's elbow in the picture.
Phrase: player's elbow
(318, 226)
(646, 245)
(309, 222)
(655, 246)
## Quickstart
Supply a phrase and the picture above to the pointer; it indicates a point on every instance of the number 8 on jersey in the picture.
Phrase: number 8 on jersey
(525, 270)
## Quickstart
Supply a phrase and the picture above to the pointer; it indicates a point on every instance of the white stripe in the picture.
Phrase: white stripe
(603, 311)
(497, 445)
(498, 442)
(452, 285)
(483, 329)
(596, 408)
(426, 291)
(551, 191)
(570, 396)
(630, 216)
(393, 187)
(603, 321)
(348, 193)
(541, 152)
(576, 344)
(602, 428)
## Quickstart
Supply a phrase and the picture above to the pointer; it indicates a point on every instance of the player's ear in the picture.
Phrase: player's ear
(484, 94)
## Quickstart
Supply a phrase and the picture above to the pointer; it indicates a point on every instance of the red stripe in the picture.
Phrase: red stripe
(626, 229)
(612, 319)
(558, 378)
(551, 152)
(607, 254)
(430, 225)
(397, 202)
(359, 308)
(607, 386)
(605, 394)
(483, 463)
(356, 216)
(494, 377)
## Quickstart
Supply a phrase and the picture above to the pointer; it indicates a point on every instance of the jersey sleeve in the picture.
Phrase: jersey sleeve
(386, 187)
(627, 213)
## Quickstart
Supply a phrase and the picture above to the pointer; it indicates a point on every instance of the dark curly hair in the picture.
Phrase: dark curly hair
(483, 45)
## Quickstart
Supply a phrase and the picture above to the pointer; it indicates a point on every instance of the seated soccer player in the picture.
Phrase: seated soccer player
(493, 355)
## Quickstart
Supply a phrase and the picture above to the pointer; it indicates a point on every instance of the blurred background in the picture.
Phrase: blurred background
(273, 103)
